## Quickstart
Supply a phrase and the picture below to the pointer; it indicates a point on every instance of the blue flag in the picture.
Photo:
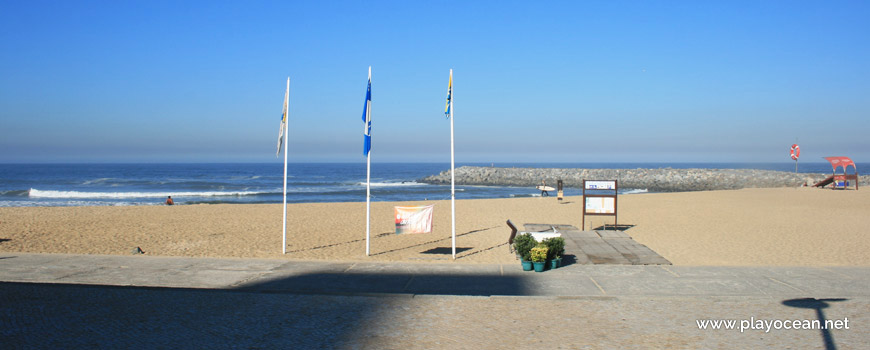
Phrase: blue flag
(367, 117)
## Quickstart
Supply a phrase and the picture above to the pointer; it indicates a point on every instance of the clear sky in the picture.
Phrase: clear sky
(550, 81)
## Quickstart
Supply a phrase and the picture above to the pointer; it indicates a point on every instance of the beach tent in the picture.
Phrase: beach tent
(841, 180)
(844, 162)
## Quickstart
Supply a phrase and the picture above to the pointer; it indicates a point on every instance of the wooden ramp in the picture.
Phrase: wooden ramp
(827, 181)
(602, 247)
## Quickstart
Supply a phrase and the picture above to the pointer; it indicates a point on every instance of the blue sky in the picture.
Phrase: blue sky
(574, 81)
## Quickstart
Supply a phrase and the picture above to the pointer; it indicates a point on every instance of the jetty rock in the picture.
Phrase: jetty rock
(652, 179)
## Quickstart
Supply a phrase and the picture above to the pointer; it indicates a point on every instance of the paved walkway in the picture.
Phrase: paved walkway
(602, 247)
(85, 301)
(364, 278)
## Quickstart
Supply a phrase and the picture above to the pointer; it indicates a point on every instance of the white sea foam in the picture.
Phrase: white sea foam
(521, 195)
(72, 203)
(97, 181)
(254, 177)
(393, 184)
(636, 191)
(34, 193)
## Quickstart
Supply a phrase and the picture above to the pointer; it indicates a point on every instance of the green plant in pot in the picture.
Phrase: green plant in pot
(523, 245)
(555, 250)
(539, 257)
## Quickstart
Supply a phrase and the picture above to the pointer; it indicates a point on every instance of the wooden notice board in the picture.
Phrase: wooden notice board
(599, 199)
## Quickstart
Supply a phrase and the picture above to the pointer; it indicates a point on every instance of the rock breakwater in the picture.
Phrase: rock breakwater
(657, 180)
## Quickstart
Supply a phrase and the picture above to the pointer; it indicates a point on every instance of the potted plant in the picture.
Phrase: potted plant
(539, 257)
(523, 245)
(555, 250)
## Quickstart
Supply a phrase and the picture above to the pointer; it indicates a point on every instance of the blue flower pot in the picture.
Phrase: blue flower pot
(527, 265)
(555, 263)
(539, 266)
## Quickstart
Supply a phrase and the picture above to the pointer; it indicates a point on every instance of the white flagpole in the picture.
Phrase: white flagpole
(368, 174)
(368, 199)
(452, 173)
(286, 141)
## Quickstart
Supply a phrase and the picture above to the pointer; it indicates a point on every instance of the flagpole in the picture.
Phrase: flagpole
(452, 174)
(368, 176)
(286, 141)
(368, 200)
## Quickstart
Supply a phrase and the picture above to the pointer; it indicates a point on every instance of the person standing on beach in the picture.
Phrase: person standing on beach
(543, 192)
(169, 201)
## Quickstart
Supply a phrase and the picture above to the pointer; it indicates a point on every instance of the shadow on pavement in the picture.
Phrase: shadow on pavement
(392, 283)
(568, 259)
(60, 316)
(818, 305)
(315, 310)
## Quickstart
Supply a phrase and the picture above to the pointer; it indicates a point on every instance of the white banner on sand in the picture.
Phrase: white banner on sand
(414, 219)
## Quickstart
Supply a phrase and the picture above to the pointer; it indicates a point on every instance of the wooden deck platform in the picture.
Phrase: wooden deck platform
(602, 247)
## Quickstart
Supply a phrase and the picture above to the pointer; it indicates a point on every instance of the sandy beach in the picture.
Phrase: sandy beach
(749, 227)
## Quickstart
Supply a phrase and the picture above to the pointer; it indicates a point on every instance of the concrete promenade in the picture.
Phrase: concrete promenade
(90, 301)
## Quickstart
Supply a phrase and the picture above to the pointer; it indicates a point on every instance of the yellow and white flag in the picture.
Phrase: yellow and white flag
(449, 95)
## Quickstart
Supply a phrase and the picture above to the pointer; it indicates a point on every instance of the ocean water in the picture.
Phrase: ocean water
(150, 184)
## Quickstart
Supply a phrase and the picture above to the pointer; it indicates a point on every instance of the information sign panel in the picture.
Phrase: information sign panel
(600, 205)
(602, 199)
(599, 185)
